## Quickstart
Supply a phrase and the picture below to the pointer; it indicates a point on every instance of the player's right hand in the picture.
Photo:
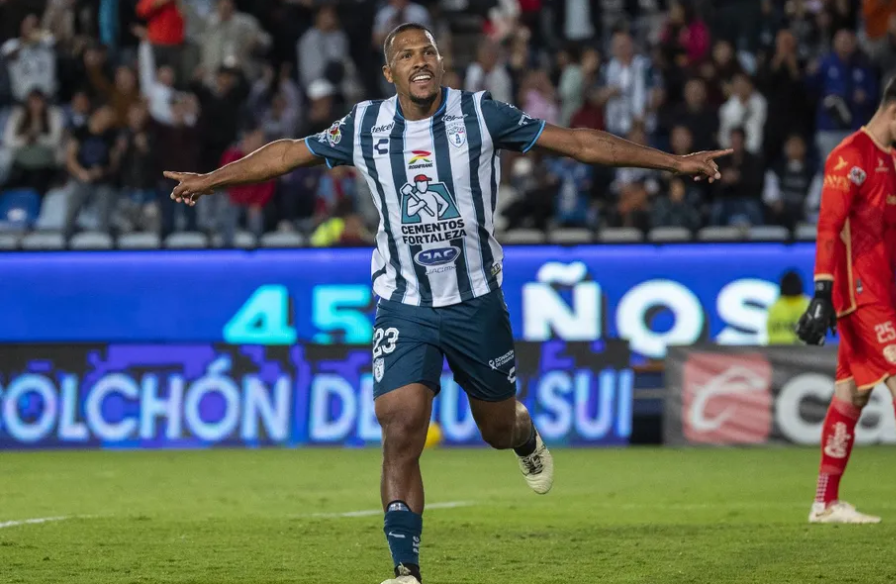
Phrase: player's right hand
(190, 186)
(820, 316)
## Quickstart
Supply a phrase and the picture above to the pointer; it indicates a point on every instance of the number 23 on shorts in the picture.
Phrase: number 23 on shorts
(384, 341)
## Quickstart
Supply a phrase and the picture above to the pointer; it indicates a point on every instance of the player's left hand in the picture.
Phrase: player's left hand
(702, 164)
(190, 186)
(819, 316)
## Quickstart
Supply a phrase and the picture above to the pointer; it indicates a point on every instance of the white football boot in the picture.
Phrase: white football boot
(839, 512)
(404, 577)
(538, 467)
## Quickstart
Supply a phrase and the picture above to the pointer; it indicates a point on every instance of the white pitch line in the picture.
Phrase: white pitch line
(374, 512)
(34, 521)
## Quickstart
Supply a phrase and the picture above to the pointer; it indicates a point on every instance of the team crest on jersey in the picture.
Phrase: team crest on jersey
(429, 212)
(890, 353)
(857, 176)
(457, 133)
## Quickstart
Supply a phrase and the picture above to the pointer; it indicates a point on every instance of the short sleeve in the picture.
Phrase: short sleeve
(510, 128)
(335, 144)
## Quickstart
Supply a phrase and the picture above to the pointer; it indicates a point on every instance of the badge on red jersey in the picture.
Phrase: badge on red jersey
(857, 176)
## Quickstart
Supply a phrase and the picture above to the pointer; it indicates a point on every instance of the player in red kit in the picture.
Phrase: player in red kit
(855, 292)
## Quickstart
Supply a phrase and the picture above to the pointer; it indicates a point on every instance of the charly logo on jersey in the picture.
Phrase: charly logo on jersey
(429, 213)
(420, 159)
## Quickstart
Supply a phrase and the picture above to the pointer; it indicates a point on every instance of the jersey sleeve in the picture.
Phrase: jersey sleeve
(336, 144)
(510, 128)
(843, 177)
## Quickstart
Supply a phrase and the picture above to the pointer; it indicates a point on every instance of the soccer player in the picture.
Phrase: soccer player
(430, 156)
(855, 292)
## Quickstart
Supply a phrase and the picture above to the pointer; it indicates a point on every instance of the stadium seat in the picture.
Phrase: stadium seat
(9, 241)
(19, 207)
(806, 232)
(769, 233)
(52, 211)
(242, 240)
(186, 240)
(669, 234)
(43, 240)
(139, 241)
(721, 234)
(522, 237)
(570, 236)
(282, 239)
(620, 235)
(91, 240)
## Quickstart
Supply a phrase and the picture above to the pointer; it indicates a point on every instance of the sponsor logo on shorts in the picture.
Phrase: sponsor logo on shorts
(501, 361)
(837, 442)
(727, 399)
(437, 257)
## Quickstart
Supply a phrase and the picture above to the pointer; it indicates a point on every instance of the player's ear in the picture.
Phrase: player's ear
(387, 73)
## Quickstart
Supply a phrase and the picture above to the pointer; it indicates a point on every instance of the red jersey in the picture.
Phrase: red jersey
(856, 246)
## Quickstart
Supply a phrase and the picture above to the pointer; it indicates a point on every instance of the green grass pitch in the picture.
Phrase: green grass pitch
(614, 516)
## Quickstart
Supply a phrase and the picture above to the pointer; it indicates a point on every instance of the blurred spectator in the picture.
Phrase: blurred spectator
(877, 15)
(165, 26)
(324, 43)
(634, 188)
(685, 37)
(345, 227)
(59, 20)
(788, 184)
(571, 89)
(177, 147)
(396, 12)
(737, 193)
(745, 109)
(847, 88)
(122, 94)
(781, 80)
(30, 60)
(720, 71)
(320, 107)
(786, 311)
(802, 19)
(220, 106)
(33, 133)
(138, 171)
(78, 112)
(246, 203)
(886, 51)
(157, 86)
(572, 181)
(697, 115)
(232, 39)
(625, 86)
(275, 103)
(488, 73)
(676, 209)
(538, 98)
(534, 206)
(93, 162)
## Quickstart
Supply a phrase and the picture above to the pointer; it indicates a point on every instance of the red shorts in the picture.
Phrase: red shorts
(867, 352)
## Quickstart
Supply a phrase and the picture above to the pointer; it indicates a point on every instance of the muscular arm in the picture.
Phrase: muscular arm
(270, 161)
(595, 147)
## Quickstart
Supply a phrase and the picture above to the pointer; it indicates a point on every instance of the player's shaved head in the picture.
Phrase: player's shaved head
(401, 28)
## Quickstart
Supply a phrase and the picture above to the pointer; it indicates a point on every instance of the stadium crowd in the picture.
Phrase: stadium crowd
(97, 97)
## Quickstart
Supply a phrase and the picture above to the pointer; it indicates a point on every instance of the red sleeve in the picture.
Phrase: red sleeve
(843, 175)
(145, 8)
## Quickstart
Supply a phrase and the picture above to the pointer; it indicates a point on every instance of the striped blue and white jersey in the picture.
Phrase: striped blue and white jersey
(435, 185)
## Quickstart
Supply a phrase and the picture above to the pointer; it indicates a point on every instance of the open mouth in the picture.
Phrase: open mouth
(422, 78)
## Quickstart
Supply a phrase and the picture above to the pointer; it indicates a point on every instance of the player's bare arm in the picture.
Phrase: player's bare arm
(595, 147)
(269, 161)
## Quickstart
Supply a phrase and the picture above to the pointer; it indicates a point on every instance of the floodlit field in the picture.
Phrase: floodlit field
(247, 517)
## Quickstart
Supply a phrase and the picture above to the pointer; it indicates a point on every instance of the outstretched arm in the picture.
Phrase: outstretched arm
(270, 161)
(595, 147)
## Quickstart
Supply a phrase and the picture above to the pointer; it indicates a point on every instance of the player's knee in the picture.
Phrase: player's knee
(498, 434)
(404, 436)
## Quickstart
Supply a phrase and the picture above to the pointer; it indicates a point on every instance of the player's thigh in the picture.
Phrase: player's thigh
(405, 348)
(478, 343)
(871, 335)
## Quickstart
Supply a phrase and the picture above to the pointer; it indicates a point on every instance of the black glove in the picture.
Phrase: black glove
(819, 317)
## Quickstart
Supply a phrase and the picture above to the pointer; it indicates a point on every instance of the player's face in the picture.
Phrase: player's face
(415, 66)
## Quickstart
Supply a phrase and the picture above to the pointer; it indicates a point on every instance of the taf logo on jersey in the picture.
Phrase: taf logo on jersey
(424, 201)
(437, 257)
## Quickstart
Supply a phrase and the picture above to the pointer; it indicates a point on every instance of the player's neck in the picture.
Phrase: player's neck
(879, 129)
(412, 111)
